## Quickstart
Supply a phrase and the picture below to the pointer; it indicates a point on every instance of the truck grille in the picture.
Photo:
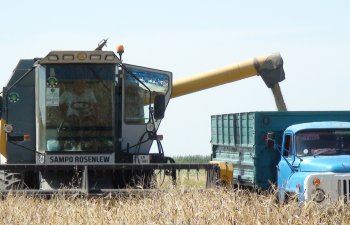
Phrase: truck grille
(344, 190)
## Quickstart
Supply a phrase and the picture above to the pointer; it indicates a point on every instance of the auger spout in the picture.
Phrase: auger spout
(269, 67)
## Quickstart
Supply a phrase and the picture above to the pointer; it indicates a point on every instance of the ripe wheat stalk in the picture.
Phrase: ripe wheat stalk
(171, 205)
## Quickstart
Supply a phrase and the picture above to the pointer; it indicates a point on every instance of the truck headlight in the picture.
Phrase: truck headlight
(319, 195)
(316, 181)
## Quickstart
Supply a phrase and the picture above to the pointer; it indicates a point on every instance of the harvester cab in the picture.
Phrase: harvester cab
(81, 108)
(88, 92)
(94, 103)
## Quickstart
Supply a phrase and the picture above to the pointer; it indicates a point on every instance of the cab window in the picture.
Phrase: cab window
(287, 148)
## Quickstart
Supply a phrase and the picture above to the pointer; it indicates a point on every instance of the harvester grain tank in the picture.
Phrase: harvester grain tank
(85, 121)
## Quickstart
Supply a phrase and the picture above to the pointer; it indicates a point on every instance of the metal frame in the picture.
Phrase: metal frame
(211, 169)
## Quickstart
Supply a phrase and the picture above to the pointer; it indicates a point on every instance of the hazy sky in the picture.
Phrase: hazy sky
(188, 37)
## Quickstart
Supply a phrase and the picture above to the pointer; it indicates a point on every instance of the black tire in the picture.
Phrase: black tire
(2, 180)
(143, 179)
(290, 197)
(14, 181)
(10, 181)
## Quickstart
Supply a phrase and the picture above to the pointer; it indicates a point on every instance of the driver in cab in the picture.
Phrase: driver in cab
(80, 103)
(79, 108)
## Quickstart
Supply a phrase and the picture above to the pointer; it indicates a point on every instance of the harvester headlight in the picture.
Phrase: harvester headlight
(68, 57)
(8, 128)
(52, 57)
(319, 195)
(109, 57)
(150, 127)
(95, 57)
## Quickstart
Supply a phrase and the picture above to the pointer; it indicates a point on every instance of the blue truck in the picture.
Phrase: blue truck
(305, 154)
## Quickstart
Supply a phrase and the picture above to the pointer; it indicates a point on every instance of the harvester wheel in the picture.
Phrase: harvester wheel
(2, 180)
(10, 181)
(150, 180)
(145, 179)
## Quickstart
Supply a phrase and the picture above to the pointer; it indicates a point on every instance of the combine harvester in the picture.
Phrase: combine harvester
(84, 121)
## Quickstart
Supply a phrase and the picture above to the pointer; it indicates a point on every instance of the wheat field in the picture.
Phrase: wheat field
(214, 206)
(171, 205)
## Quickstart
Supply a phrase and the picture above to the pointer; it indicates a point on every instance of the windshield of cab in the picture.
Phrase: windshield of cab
(75, 107)
(323, 142)
(140, 92)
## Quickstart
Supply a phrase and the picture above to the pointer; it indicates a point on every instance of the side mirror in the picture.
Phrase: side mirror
(270, 140)
(159, 106)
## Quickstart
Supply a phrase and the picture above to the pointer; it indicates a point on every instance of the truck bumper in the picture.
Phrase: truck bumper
(327, 187)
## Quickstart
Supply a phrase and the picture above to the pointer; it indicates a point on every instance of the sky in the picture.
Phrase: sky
(189, 37)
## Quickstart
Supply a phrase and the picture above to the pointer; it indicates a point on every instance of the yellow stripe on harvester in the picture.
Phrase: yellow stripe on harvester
(3, 147)
(226, 171)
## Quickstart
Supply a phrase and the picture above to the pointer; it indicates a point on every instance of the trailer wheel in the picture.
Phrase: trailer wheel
(212, 179)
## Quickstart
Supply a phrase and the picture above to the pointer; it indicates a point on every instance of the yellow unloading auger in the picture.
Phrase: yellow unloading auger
(269, 67)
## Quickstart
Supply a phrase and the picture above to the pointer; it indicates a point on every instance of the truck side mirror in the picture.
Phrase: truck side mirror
(159, 106)
(270, 140)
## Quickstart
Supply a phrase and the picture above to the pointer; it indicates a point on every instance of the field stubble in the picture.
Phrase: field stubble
(171, 205)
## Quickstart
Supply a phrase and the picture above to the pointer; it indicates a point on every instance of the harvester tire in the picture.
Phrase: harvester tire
(10, 181)
(2, 180)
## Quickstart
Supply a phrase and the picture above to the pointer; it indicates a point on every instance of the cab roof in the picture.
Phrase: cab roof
(97, 56)
(319, 125)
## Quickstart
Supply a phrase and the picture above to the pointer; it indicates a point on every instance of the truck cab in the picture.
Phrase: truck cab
(315, 163)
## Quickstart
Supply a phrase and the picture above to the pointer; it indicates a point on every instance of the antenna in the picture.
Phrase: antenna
(102, 44)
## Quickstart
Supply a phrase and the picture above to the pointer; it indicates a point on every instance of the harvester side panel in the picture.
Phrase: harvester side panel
(19, 112)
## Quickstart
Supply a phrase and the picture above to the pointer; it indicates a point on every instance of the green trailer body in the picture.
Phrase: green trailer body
(240, 139)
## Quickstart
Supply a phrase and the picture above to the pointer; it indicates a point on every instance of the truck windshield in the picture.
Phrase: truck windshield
(323, 142)
(76, 110)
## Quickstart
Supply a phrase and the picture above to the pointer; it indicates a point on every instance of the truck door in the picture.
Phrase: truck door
(284, 166)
